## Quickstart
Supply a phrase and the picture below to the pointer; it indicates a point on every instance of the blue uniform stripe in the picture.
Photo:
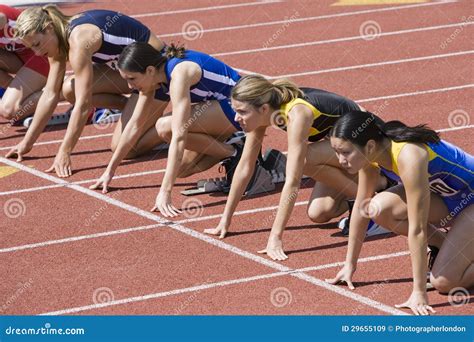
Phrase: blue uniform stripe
(216, 81)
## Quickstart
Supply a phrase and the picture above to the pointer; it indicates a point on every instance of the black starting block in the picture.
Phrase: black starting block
(270, 171)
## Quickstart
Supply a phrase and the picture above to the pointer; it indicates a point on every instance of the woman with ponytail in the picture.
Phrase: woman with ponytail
(22, 90)
(198, 87)
(91, 41)
(306, 115)
(436, 181)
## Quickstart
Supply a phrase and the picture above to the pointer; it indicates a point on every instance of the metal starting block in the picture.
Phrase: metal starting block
(274, 160)
(205, 186)
(262, 181)
(270, 171)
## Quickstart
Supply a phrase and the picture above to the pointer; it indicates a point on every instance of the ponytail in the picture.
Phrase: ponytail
(36, 19)
(359, 127)
(420, 134)
(288, 90)
(137, 56)
(257, 91)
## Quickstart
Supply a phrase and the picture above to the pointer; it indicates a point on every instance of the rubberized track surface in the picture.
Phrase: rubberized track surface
(68, 250)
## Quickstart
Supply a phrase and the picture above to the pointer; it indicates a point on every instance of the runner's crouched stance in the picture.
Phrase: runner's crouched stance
(437, 181)
(306, 115)
(198, 87)
(22, 74)
(91, 42)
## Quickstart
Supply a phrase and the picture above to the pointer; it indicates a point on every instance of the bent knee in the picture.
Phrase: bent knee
(68, 90)
(321, 214)
(442, 284)
(113, 145)
(8, 111)
(381, 210)
(163, 128)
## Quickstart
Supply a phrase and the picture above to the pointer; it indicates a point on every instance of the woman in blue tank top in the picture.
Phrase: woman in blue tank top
(91, 41)
(199, 88)
(435, 190)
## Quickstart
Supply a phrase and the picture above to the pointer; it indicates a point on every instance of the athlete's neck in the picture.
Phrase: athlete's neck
(160, 75)
(383, 154)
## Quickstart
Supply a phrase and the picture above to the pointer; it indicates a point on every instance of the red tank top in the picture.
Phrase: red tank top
(7, 40)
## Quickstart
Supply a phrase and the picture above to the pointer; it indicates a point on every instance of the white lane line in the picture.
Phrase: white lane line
(145, 173)
(210, 8)
(421, 92)
(248, 72)
(210, 240)
(129, 230)
(371, 65)
(36, 188)
(87, 137)
(319, 17)
(52, 186)
(236, 213)
(387, 97)
(78, 238)
(454, 128)
(207, 286)
(344, 39)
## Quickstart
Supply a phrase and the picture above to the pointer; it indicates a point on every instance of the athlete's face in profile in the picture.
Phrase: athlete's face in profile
(44, 43)
(137, 80)
(248, 117)
(350, 156)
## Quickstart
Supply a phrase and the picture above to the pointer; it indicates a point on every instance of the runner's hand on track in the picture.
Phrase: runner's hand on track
(18, 151)
(344, 275)
(220, 230)
(62, 165)
(274, 248)
(103, 182)
(163, 204)
(418, 303)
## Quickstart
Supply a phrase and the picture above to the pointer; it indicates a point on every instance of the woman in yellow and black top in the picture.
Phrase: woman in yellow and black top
(307, 115)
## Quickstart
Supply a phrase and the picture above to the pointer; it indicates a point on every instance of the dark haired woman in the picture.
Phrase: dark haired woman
(22, 90)
(437, 181)
(91, 41)
(306, 115)
(198, 87)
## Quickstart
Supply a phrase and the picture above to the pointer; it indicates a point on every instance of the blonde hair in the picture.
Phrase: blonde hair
(257, 90)
(36, 19)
